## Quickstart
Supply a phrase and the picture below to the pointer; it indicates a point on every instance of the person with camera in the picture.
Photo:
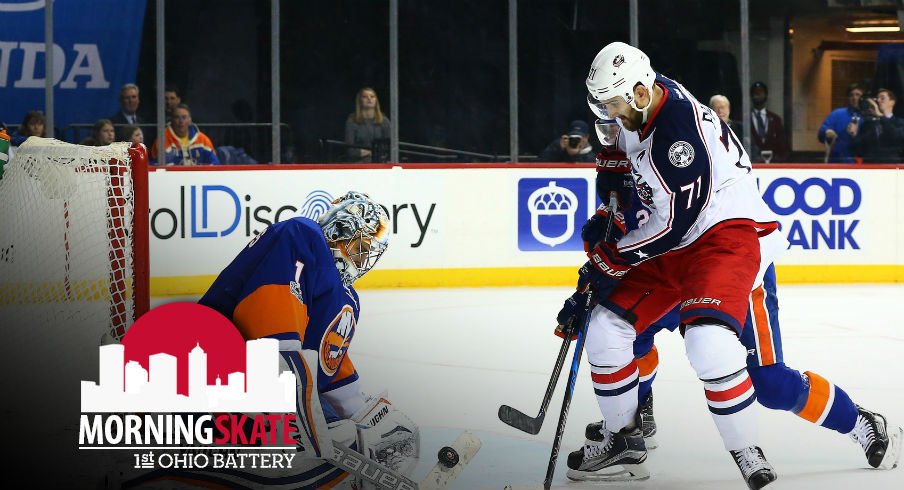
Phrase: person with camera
(880, 136)
(833, 131)
(571, 147)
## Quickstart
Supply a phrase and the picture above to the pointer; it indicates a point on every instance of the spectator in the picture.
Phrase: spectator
(768, 132)
(102, 134)
(366, 125)
(880, 137)
(128, 108)
(172, 99)
(134, 134)
(32, 125)
(833, 130)
(573, 146)
(5, 150)
(722, 106)
(185, 143)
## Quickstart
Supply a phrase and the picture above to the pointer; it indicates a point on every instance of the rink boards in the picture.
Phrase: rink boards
(502, 225)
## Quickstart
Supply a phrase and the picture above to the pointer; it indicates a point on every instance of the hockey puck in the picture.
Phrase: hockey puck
(447, 457)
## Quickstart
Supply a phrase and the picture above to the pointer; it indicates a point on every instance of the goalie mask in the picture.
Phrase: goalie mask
(356, 230)
(614, 73)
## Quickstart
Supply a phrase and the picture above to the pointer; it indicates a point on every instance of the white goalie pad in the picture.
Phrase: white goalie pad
(387, 435)
(313, 433)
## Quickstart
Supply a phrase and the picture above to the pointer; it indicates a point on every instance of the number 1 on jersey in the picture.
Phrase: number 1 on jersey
(299, 265)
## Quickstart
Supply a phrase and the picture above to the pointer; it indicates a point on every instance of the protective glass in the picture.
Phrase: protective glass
(608, 109)
(607, 131)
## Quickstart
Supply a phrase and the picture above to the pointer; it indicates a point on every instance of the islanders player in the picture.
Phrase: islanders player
(294, 282)
(777, 386)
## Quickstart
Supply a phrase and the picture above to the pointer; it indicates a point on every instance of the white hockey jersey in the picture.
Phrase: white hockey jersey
(692, 172)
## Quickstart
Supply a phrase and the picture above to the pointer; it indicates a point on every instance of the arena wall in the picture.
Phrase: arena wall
(475, 225)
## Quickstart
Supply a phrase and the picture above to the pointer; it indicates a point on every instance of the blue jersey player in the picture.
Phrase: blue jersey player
(294, 282)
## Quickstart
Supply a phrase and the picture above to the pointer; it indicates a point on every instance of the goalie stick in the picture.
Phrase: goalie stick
(439, 477)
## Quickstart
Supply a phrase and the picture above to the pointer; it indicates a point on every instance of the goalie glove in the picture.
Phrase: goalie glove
(388, 436)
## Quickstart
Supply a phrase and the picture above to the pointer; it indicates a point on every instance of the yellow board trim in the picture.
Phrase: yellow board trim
(56, 292)
(538, 276)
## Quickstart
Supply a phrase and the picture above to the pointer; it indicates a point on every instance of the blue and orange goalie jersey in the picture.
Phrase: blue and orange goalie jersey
(284, 284)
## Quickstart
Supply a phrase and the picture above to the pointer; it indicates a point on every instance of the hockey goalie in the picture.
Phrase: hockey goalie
(294, 282)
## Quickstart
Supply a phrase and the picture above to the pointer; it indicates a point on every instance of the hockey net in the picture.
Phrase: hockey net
(73, 245)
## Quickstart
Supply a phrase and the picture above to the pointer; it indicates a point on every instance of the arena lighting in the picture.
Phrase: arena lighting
(877, 25)
(873, 29)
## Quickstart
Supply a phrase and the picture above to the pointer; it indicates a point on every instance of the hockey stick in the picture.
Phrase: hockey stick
(524, 422)
(380, 476)
(575, 364)
(443, 473)
(519, 419)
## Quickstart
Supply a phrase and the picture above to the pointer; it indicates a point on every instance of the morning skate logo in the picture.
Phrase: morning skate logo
(184, 378)
(550, 213)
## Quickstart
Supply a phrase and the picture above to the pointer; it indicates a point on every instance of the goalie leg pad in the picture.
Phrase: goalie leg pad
(388, 436)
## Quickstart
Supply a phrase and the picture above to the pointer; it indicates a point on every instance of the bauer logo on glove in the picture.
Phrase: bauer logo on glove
(605, 259)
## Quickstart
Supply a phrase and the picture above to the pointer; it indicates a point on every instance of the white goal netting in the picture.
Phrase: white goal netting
(69, 255)
(66, 242)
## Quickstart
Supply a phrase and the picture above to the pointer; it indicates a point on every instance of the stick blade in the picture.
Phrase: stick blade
(466, 445)
(519, 420)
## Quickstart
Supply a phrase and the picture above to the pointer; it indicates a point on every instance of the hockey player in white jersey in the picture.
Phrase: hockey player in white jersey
(707, 243)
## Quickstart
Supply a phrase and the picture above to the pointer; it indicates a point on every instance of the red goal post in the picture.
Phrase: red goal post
(74, 247)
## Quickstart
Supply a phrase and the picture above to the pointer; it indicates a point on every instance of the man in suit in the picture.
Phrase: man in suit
(128, 110)
(768, 132)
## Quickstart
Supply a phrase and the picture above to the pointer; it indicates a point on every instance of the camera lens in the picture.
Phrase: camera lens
(574, 141)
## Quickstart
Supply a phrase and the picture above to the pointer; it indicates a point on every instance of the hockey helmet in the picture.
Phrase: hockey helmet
(356, 229)
(614, 73)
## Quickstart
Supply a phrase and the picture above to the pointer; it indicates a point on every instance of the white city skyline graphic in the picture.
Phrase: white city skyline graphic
(128, 387)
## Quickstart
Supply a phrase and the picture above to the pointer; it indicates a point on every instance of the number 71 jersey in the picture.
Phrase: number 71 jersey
(691, 171)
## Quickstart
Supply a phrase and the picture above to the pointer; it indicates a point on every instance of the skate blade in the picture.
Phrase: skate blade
(650, 442)
(893, 453)
(617, 473)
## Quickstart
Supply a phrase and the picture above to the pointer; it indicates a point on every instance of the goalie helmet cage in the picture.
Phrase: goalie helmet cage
(74, 245)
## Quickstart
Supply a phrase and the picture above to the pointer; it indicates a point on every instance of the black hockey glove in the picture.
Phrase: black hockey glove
(595, 227)
(572, 314)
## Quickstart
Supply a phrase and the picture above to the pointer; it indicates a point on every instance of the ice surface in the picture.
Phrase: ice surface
(450, 357)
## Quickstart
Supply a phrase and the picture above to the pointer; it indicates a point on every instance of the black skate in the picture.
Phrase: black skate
(757, 472)
(881, 444)
(609, 456)
(647, 424)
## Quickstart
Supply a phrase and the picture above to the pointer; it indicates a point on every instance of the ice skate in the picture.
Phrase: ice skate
(609, 456)
(757, 472)
(647, 425)
(881, 444)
